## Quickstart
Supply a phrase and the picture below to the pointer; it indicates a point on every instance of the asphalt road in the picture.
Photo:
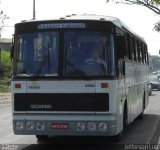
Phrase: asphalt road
(145, 131)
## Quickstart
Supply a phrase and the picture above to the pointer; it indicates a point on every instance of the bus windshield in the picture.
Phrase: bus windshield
(82, 53)
(37, 54)
(88, 54)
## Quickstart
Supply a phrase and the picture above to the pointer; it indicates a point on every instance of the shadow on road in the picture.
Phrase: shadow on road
(153, 94)
(145, 131)
(142, 131)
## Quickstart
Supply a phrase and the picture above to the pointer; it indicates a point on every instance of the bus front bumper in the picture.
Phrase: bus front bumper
(65, 125)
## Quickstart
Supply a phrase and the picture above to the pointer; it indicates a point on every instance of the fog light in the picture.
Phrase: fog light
(40, 125)
(80, 126)
(30, 125)
(91, 126)
(102, 126)
(19, 125)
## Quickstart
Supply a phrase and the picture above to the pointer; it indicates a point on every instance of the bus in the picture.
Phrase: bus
(78, 75)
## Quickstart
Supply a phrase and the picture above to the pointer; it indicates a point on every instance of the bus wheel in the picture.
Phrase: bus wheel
(141, 114)
(125, 112)
(42, 137)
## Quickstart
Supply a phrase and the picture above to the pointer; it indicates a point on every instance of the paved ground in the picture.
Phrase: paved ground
(5, 97)
(145, 131)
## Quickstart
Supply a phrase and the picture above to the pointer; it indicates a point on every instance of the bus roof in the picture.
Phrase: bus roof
(86, 17)
(116, 21)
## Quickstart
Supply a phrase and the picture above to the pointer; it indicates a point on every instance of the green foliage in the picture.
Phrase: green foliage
(6, 63)
(157, 2)
(3, 18)
(5, 71)
(156, 63)
(157, 26)
(150, 4)
(4, 84)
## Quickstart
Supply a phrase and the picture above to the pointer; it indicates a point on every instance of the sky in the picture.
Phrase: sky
(140, 19)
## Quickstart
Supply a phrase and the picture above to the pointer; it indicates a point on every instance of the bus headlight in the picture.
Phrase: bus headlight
(40, 126)
(102, 126)
(80, 126)
(19, 125)
(30, 125)
(91, 126)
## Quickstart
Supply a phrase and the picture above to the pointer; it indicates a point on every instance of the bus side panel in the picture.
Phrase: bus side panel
(121, 97)
(135, 83)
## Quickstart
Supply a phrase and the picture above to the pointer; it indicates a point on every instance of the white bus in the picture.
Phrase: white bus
(81, 75)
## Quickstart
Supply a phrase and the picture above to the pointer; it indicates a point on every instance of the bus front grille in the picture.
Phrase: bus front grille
(61, 102)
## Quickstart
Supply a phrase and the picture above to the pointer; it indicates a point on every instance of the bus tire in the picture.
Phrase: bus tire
(42, 137)
(125, 114)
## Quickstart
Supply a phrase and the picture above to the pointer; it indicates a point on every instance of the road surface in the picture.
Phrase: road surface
(145, 131)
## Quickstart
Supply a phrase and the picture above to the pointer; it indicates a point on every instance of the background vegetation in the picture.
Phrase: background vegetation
(5, 71)
(153, 5)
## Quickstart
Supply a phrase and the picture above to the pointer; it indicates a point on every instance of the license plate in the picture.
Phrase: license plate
(59, 125)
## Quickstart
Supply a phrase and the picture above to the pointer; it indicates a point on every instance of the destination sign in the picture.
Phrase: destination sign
(61, 26)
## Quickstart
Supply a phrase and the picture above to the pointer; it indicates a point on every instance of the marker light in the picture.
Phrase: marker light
(19, 125)
(102, 19)
(17, 85)
(40, 126)
(30, 125)
(91, 126)
(62, 18)
(80, 126)
(102, 126)
(104, 85)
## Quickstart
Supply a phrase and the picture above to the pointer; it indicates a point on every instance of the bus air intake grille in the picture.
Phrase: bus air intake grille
(61, 102)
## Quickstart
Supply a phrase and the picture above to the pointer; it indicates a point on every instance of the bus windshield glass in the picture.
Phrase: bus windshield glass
(88, 54)
(37, 54)
(82, 54)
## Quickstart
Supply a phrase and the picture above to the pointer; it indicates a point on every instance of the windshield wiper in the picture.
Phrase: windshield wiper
(46, 58)
(75, 72)
(40, 66)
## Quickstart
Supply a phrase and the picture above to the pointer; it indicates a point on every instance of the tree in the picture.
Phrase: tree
(157, 26)
(150, 4)
(3, 18)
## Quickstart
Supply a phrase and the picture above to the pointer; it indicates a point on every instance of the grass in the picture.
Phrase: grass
(5, 72)
(5, 84)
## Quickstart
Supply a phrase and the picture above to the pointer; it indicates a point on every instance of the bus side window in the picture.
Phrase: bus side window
(146, 55)
(143, 48)
(138, 48)
(129, 46)
(120, 47)
(126, 47)
(140, 52)
(132, 47)
(120, 54)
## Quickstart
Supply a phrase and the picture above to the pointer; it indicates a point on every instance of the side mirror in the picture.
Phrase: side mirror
(12, 52)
